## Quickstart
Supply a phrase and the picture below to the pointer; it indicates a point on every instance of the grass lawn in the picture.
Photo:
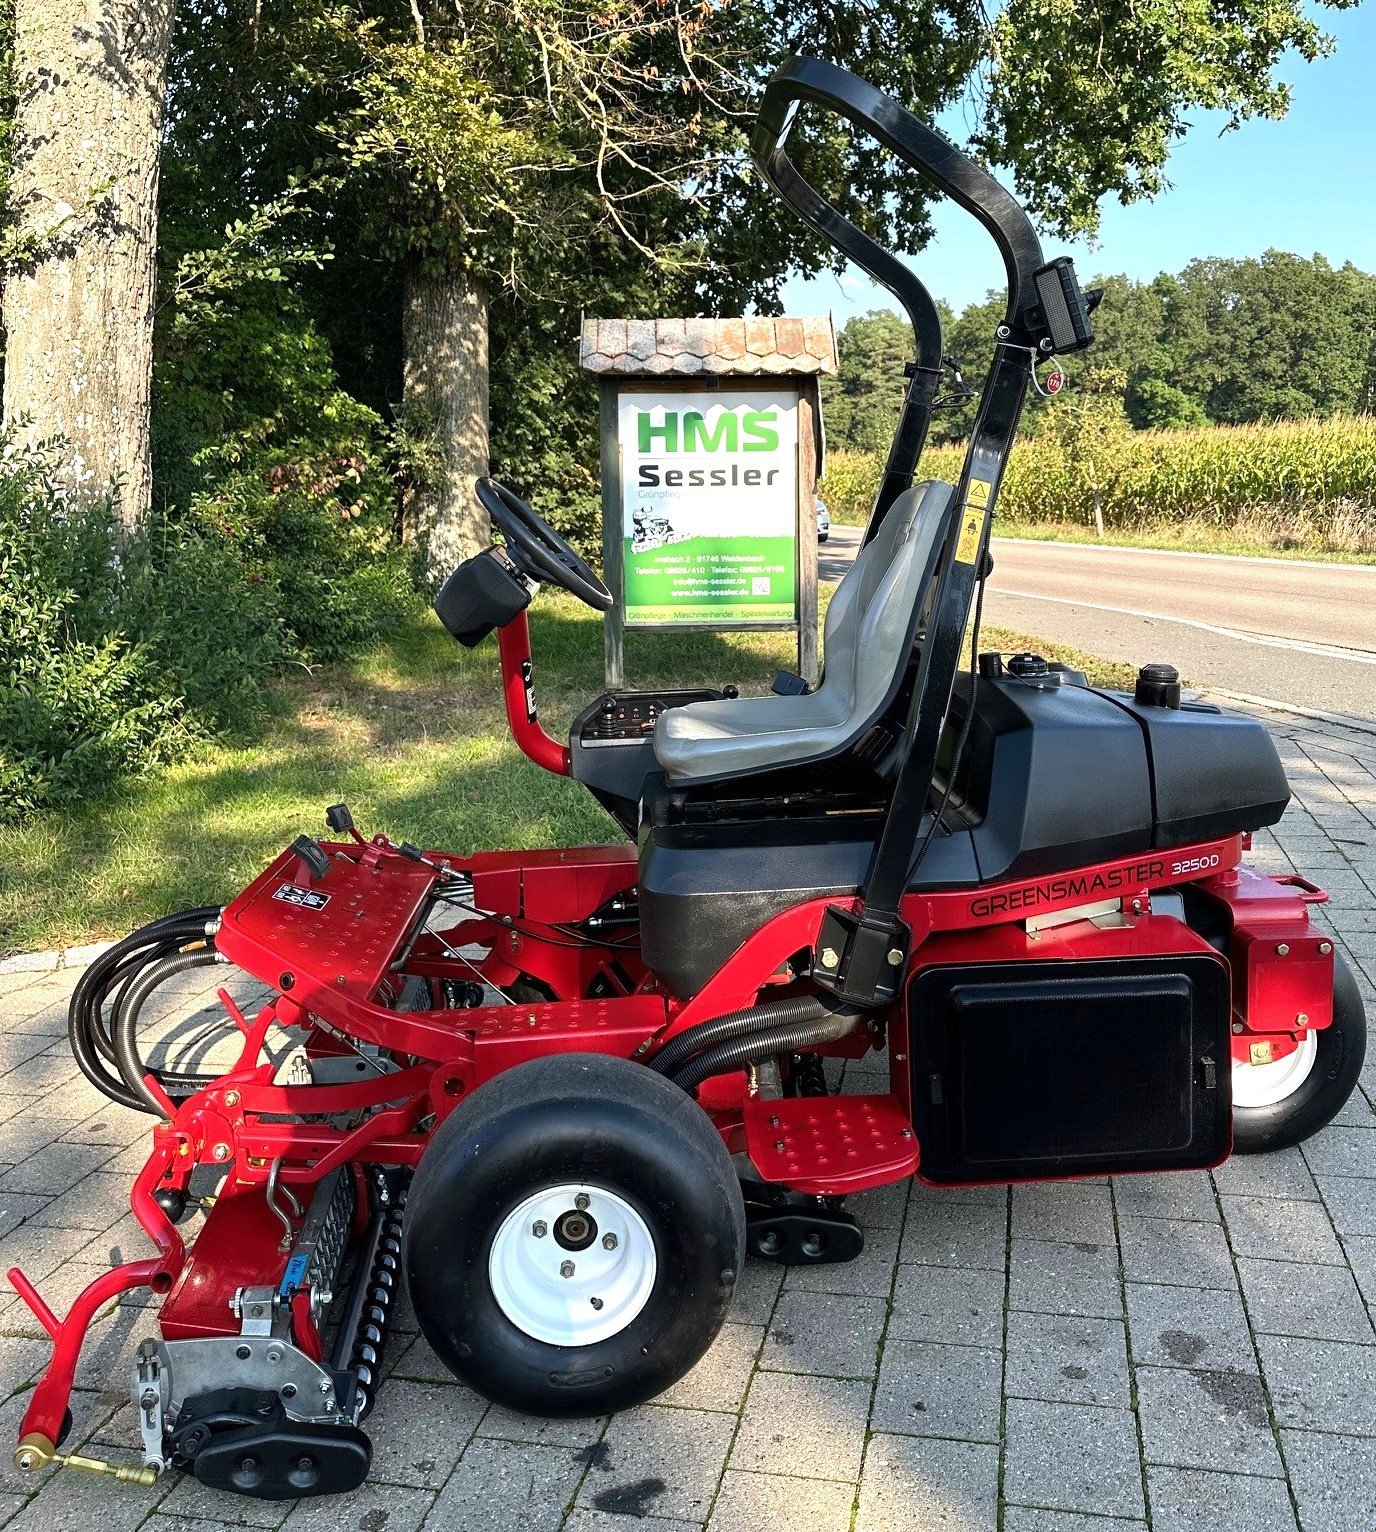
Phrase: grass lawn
(411, 734)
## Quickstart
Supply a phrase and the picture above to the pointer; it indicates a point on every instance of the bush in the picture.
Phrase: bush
(1308, 483)
(80, 704)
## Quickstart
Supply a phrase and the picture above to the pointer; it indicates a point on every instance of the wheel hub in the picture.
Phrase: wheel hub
(572, 1265)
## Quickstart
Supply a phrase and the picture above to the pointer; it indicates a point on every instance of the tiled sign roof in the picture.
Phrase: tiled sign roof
(708, 347)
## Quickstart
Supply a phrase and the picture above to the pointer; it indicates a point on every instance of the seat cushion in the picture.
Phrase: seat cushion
(870, 628)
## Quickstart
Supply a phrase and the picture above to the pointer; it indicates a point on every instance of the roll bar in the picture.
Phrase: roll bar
(861, 951)
(1046, 310)
(933, 156)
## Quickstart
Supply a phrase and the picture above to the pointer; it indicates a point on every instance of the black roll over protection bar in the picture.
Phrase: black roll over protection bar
(861, 956)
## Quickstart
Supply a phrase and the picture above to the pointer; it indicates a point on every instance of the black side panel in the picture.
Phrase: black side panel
(1030, 1070)
(704, 889)
(1213, 773)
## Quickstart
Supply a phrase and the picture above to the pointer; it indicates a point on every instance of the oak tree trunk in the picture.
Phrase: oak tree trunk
(444, 340)
(78, 302)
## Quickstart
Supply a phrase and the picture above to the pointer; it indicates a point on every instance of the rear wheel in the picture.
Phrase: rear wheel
(573, 1236)
(1276, 1105)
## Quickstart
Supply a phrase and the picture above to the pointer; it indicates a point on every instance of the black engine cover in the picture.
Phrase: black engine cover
(1032, 1070)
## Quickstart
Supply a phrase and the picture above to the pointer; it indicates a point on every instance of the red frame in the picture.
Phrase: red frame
(329, 946)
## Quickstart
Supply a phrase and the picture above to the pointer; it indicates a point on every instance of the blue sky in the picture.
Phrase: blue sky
(1306, 184)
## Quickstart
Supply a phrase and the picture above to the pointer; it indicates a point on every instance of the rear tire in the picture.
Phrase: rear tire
(574, 1234)
(1311, 1087)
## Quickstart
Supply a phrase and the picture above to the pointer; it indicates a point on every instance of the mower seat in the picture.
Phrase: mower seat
(870, 628)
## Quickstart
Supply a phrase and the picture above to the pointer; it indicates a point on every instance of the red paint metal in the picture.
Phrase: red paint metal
(830, 1145)
(518, 691)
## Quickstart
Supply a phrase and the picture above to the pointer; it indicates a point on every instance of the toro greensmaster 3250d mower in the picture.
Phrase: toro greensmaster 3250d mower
(563, 1095)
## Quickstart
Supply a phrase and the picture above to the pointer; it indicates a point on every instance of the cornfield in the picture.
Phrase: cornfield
(1300, 484)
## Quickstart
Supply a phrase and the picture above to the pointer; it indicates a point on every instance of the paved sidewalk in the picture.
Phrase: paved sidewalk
(1192, 1353)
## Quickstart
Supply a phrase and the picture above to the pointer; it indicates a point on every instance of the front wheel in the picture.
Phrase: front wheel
(573, 1236)
(1283, 1103)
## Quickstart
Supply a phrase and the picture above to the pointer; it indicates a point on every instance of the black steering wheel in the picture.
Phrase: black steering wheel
(537, 549)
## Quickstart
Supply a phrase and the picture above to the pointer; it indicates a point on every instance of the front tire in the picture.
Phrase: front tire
(1277, 1105)
(573, 1236)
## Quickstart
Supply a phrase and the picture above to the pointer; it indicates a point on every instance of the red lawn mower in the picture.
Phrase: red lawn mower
(565, 1094)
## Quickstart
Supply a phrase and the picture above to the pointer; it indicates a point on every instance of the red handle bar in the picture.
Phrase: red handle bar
(513, 641)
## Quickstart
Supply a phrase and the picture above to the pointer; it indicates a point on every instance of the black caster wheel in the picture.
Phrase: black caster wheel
(1276, 1105)
(574, 1234)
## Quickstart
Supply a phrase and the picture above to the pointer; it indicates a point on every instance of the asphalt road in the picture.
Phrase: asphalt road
(1296, 633)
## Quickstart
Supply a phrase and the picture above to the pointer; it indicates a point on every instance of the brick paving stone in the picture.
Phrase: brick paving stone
(1181, 1194)
(1065, 1211)
(1193, 1418)
(1188, 1327)
(1173, 1251)
(1050, 1278)
(1318, 1302)
(720, 1379)
(912, 1483)
(581, 1520)
(1342, 1152)
(1321, 1385)
(189, 1501)
(799, 1425)
(1082, 1361)
(964, 1234)
(541, 1430)
(942, 1303)
(757, 1291)
(656, 1461)
(1351, 1204)
(1272, 1229)
(1281, 1174)
(1036, 1518)
(822, 1333)
(749, 1501)
(1188, 1500)
(932, 1390)
(1334, 1480)
(1072, 1457)
(504, 1487)
(419, 1431)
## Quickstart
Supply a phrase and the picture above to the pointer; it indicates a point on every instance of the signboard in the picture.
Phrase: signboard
(709, 505)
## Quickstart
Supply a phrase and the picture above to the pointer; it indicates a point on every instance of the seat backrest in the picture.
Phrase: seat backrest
(873, 614)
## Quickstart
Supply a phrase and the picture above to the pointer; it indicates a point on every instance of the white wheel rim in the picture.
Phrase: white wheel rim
(569, 1296)
(1268, 1084)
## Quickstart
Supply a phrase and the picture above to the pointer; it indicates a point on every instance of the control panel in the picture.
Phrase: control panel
(626, 718)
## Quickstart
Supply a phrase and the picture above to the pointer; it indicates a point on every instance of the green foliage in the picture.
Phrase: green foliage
(860, 405)
(264, 455)
(1300, 484)
(84, 698)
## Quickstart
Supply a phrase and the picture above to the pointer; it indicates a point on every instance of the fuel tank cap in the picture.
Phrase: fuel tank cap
(1158, 685)
(1028, 666)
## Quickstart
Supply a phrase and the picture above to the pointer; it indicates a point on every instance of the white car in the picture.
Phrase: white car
(823, 522)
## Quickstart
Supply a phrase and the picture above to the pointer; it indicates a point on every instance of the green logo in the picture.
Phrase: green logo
(749, 431)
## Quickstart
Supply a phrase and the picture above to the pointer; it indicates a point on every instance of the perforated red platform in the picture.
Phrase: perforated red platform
(830, 1144)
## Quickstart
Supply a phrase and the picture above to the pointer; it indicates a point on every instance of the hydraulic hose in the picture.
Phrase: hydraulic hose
(756, 1047)
(126, 1036)
(719, 1029)
(107, 983)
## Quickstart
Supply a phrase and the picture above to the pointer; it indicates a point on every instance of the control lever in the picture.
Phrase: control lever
(313, 854)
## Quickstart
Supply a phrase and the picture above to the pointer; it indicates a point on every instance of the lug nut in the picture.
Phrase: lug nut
(581, 1202)
(609, 1241)
(539, 1228)
(597, 1304)
(566, 1269)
